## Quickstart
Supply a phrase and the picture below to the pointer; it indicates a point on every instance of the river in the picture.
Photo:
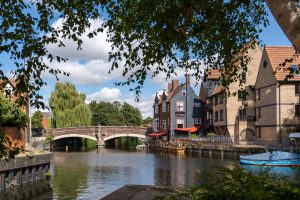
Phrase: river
(96, 173)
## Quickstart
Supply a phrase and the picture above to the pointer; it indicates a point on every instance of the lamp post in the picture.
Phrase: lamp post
(30, 132)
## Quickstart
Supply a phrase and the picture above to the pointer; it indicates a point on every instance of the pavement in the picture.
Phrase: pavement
(139, 192)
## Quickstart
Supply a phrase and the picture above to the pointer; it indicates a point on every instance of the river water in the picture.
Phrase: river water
(96, 173)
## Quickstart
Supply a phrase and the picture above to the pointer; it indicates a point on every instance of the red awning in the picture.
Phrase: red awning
(156, 134)
(190, 129)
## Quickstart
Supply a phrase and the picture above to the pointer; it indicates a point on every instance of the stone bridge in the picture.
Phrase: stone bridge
(98, 133)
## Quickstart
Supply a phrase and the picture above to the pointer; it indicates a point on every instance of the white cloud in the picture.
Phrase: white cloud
(92, 72)
(92, 48)
(105, 94)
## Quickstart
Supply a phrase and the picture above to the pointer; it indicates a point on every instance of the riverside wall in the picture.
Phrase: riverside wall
(24, 169)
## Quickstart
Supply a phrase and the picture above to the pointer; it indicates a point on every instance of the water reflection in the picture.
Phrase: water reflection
(39, 190)
(94, 174)
(291, 173)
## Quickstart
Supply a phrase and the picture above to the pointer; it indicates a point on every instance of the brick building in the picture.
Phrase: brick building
(178, 111)
(271, 95)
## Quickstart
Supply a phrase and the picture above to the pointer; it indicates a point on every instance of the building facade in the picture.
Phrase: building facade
(233, 115)
(277, 95)
(266, 108)
(178, 110)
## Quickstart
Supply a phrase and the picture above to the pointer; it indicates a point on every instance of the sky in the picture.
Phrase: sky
(89, 70)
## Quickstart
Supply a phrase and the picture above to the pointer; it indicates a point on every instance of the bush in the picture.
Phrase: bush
(238, 184)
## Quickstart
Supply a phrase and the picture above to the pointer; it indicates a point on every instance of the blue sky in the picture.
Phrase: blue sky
(89, 69)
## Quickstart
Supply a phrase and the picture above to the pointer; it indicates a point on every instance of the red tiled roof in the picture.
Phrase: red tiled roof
(212, 73)
(277, 56)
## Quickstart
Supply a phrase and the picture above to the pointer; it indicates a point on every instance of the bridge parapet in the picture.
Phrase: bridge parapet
(101, 132)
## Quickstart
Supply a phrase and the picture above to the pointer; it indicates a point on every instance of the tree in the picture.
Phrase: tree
(106, 114)
(68, 107)
(287, 14)
(149, 36)
(131, 115)
(10, 115)
(147, 121)
(37, 119)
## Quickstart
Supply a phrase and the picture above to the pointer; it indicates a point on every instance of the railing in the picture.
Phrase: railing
(213, 139)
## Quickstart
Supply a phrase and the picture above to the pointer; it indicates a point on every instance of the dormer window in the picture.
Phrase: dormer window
(295, 69)
(8, 89)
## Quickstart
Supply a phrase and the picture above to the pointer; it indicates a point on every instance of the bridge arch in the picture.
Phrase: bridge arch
(124, 135)
(74, 135)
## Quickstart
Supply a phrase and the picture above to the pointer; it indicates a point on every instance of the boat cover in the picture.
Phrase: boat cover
(275, 155)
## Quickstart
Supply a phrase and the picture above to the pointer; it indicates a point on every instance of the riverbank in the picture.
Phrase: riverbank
(26, 167)
(201, 148)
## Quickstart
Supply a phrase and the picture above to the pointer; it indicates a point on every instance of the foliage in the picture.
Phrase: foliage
(26, 32)
(49, 139)
(10, 114)
(147, 121)
(68, 107)
(114, 114)
(131, 115)
(106, 114)
(238, 184)
(160, 36)
(150, 35)
(37, 119)
(7, 149)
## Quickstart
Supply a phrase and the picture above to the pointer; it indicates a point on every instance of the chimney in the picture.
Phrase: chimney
(175, 83)
(170, 87)
(187, 79)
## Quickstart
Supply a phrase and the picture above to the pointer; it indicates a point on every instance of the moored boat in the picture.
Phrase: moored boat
(275, 158)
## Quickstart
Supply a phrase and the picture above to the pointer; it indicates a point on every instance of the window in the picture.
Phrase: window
(295, 69)
(221, 115)
(183, 92)
(243, 77)
(221, 98)
(168, 122)
(164, 124)
(179, 123)
(216, 116)
(179, 106)
(197, 121)
(258, 112)
(242, 95)
(197, 105)
(168, 107)
(297, 89)
(216, 100)
(156, 125)
(297, 110)
(156, 109)
(163, 106)
(243, 114)
(8, 90)
(258, 94)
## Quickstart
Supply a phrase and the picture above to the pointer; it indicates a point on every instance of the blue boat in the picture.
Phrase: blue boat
(275, 158)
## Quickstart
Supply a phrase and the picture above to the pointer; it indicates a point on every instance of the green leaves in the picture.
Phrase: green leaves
(165, 35)
(37, 119)
(68, 107)
(114, 114)
(10, 114)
